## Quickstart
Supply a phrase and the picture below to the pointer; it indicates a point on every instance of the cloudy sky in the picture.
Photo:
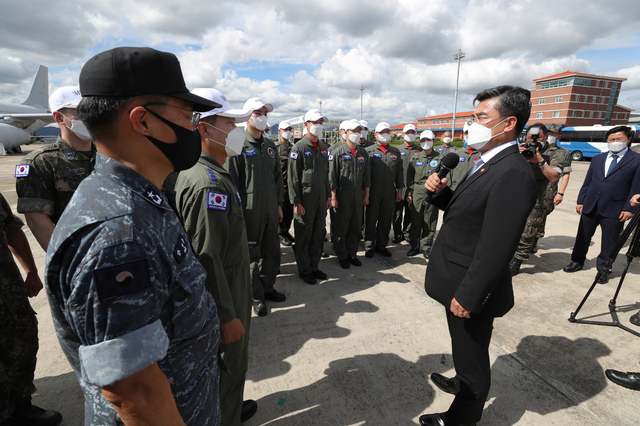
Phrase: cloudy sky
(296, 53)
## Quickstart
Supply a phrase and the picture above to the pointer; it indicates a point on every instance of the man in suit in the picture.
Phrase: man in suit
(604, 199)
(468, 270)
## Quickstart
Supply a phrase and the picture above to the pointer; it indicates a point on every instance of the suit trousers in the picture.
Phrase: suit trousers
(470, 349)
(611, 228)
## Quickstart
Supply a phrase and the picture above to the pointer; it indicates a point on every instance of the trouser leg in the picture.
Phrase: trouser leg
(430, 223)
(586, 229)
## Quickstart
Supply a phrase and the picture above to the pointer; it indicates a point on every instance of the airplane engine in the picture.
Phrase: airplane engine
(12, 137)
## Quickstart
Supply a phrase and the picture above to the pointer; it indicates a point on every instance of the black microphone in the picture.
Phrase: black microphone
(449, 162)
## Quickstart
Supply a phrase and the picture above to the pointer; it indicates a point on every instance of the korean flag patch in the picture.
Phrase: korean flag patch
(293, 155)
(330, 157)
(22, 170)
(217, 201)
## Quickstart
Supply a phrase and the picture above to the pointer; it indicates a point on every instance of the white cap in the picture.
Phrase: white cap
(408, 127)
(427, 134)
(382, 126)
(225, 110)
(364, 124)
(284, 125)
(343, 124)
(314, 115)
(254, 104)
(351, 124)
(465, 128)
(65, 97)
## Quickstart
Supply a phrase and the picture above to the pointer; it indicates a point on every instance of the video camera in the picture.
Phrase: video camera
(530, 147)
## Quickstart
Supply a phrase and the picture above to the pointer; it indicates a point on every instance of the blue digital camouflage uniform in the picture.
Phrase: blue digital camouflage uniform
(47, 178)
(18, 324)
(127, 291)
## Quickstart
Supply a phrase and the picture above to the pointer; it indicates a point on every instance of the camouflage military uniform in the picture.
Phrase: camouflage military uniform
(127, 291)
(536, 217)
(552, 188)
(465, 165)
(287, 207)
(402, 226)
(18, 324)
(424, 216)
(50, 176)
(636, 148)
(210, 208)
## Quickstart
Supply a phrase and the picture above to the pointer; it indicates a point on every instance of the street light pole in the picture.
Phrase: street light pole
(361, 93)
(457, 57)
(320, 102)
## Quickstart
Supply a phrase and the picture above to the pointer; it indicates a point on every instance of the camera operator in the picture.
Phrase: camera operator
(546, 168)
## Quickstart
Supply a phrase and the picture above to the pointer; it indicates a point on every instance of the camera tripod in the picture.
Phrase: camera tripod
(634, 251)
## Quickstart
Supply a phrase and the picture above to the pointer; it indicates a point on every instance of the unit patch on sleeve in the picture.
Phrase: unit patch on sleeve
(117, 281)
(217, 201)
(22, 170)
(293, 155)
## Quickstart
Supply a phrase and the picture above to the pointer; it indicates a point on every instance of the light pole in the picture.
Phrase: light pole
(320, 102)
(361, 93)
(459, 55)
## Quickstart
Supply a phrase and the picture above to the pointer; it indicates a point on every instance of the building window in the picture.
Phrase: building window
(558, 99)
(540, 101)
(574, 81)
(434, 121)
(539, 115)
(556, 114)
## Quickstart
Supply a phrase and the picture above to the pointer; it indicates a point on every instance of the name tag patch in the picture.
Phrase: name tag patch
(419, 163)
(217, 201)
(377, 155)
(22, 170)
(347, 157)
(462, 159)
(404, 154)
(250, 152)
(308, 153)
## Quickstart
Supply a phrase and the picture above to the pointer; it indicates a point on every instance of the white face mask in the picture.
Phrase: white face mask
(410, 138)
(425, 144)
(446, 140)
(616, 147)
(384, 138)
(479, 135)
(552, 140)
(343, 136)
(233, 142)
(364, 134)
(316, 130)
(354, 137)
(286, 135)
(78, 128)
(260, 122)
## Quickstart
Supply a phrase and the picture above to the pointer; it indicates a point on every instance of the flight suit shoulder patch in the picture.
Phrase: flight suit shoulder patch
(22, 170)
(293, 155)
(217, 201)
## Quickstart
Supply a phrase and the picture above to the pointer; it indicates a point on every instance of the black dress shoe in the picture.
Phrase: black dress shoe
(438, 420)
(514, 266)
(604, 278)
(445, 384)
(572, 267)
(355, 261)
(635, 319)
(319, 274)
(275, 296)
(384, 251)
(413, 252)
(260, 308)
(397, 239)
(249, 408)
(29, 414)
(368, 253)
(627, 380)
(290, 237)
(324, 254)
(426, 253)
(308, 278)
(344, 263)
(284, 241)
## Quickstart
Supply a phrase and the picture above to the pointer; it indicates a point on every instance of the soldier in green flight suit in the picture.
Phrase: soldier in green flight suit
(387, 183)
(310, 194)
(424, 216)
(350, 180)
(211, 211)
(402, 215)
(257, 176)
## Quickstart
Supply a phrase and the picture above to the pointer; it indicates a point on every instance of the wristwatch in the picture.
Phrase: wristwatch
(542, 163)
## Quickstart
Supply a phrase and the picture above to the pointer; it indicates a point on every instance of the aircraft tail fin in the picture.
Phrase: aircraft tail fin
(39, 95)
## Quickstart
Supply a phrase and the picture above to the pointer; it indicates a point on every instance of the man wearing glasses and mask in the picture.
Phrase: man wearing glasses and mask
(127, 294)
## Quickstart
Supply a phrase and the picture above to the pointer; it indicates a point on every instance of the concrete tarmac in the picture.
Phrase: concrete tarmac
(358, 348)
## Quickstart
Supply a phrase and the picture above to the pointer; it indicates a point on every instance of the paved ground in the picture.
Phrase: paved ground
(358, 348)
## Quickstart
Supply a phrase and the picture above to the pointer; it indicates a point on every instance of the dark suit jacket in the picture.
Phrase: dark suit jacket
(610, 195)
(483, 222)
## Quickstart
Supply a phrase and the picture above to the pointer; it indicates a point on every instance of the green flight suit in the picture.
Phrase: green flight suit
(211, 211)
(349, 175)
(424, 215)
(386, 179)
(309, 185)
(402, 214)
(456, 175)
(257, 176)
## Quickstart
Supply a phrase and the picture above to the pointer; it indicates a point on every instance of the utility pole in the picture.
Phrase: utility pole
(320, 102)
(361, 93)
(459, 55)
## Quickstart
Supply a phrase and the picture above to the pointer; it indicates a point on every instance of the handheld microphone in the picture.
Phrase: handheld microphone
(449, 162)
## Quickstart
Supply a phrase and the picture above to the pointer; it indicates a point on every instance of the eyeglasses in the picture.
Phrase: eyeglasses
(617, 140)
(194, 116)
(480, 120)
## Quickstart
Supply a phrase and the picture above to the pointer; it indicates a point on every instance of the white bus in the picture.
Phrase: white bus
(589, 141)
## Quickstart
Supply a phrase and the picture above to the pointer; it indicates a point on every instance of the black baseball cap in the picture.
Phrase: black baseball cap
(135, 71)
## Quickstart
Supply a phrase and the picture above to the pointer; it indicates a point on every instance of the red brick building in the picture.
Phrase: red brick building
(439, 124)
(577, 99)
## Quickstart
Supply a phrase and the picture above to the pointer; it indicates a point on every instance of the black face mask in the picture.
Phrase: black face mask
(185, 152)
